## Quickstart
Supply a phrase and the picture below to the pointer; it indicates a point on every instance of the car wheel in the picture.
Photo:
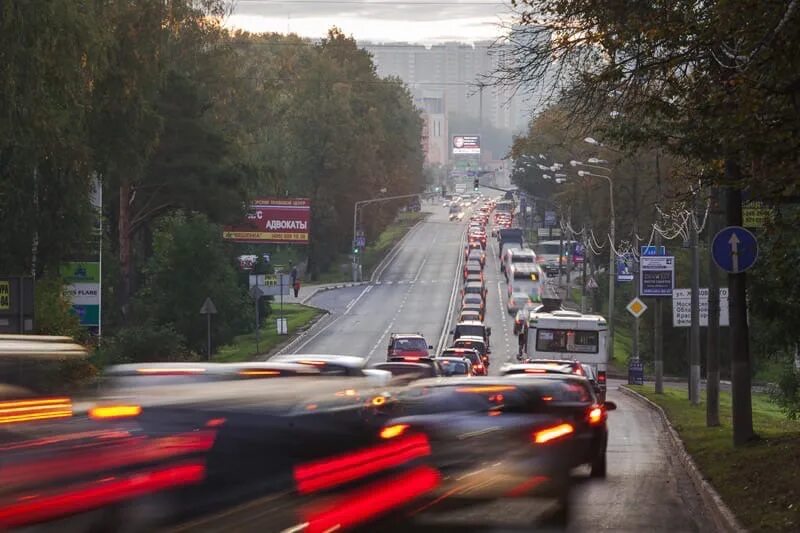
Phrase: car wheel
(599, 465)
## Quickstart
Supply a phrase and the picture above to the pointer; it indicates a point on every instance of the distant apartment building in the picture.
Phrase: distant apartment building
(435, 143)
(458, 71)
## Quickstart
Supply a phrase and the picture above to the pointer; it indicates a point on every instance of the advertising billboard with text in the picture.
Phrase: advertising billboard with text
(466, 144)
(274, 221)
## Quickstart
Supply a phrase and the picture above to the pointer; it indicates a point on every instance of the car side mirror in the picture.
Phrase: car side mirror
(610, 406)
(452, 332)
(488, 332)
(430, 347)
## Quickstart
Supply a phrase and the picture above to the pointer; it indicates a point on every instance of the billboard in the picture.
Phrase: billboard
(274, 221)
(467, 144)
(82, 286)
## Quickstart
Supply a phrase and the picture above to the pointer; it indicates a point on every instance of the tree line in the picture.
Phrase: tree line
(713, 87)
(182, 121)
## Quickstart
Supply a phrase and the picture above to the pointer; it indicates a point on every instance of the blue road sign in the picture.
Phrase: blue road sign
(549, 219)
(653, 250)
(734, 249)
(625, 268)
(635, 371)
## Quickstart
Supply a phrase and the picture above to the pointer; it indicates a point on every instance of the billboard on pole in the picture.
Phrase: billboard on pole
(467, 144)
(274, 221)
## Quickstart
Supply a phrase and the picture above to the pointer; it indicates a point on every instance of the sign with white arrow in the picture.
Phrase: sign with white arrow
(734, 249)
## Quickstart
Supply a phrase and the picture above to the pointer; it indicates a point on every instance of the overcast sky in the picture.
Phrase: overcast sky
(419, 21)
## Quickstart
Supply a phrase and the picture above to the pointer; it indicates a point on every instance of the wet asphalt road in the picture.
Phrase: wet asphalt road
(646, 488)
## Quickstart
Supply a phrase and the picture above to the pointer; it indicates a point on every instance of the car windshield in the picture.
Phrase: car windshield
(464, 330)
(409, 344)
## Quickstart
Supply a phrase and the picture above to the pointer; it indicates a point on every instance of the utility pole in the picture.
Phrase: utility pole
(694, 335)
(637, 263)
(742, 408)
(658, 317)
(712, 340)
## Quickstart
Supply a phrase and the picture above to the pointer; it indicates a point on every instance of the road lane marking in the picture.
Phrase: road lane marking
(366, 290)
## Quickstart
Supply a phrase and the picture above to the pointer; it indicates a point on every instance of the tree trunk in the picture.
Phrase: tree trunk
(124, 231)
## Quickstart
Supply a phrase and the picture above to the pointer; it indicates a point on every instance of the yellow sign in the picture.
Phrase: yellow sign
(636, 307)
(5, 296)
(755, 214)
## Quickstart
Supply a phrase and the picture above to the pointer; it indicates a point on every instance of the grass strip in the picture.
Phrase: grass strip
(758, 481)
(243, 347)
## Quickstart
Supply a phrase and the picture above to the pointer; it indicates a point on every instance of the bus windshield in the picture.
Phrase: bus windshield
(563, 340)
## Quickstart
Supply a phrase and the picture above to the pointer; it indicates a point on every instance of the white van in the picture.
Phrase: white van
(526, 278)
(517, 257)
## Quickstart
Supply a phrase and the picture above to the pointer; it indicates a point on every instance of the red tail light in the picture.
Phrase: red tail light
(330, 472)
(601, 377)
(543, 436)
(596, 415)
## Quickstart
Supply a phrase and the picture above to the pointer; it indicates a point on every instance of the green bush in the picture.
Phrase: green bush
(140, 344)
(786, 393)
(53, 311)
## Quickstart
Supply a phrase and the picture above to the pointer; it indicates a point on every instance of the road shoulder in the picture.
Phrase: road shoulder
(722, 516)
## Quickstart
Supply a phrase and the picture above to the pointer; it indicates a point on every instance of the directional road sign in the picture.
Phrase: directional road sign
(636, 307)
(734, 249)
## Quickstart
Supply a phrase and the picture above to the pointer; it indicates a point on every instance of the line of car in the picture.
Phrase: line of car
(302, 442)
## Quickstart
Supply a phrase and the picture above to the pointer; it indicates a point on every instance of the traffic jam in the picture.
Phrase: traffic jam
(318, 442)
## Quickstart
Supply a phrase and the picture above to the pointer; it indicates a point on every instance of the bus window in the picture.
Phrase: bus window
(562, 340)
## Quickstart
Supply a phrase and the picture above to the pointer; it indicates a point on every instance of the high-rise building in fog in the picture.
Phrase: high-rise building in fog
(457, 70)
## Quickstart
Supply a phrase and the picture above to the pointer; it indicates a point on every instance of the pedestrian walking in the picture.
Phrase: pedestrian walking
(296, 287)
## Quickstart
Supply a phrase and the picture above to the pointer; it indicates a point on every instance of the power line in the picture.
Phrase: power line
(378, 3)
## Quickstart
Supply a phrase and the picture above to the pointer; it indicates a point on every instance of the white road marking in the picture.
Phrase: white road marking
(347, 309)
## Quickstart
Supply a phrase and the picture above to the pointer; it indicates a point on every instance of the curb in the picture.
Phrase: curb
(722, 516)
(324, 288)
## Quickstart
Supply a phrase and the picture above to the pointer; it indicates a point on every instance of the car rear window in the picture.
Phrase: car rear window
(413, 344)
(469, 331)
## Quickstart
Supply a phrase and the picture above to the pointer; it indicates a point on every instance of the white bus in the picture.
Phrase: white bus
(569, 335)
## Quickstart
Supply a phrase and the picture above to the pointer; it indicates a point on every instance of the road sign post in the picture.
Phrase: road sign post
(208, 309)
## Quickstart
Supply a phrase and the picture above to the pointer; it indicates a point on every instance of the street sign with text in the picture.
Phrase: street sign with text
(682, 308)
(656, 275)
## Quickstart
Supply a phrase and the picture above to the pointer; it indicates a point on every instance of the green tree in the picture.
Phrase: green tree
(190, 262)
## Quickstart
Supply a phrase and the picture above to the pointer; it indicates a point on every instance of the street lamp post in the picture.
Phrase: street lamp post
(612, 239)
(355, 223)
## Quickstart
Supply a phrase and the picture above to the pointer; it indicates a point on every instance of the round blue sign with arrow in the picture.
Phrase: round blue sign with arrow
(734, 249)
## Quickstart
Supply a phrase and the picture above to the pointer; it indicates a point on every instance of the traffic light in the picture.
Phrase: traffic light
(476, 183)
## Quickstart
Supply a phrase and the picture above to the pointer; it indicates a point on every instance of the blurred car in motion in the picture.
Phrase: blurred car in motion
(536, 432)
(408, 369)
(408, 344)
(337, 365)
(162, 374)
